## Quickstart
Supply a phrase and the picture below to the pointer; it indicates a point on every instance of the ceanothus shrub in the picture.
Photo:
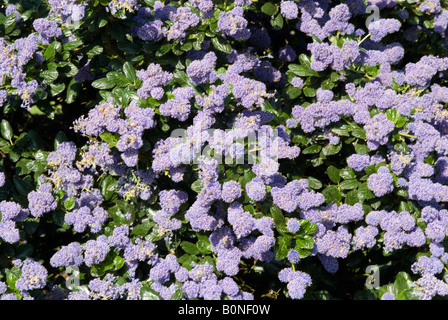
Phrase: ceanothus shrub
(223, 149)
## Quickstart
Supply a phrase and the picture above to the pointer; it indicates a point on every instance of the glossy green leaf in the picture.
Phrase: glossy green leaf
(103, 84)
(349, 184)
(69, 204)
(73, 91)
(129, 71)
(109, 186)
(189, 247)
(314, 183)
(312, 149)
(305, 242)
(332, 194)
(277, 22)
(10, 23)
(347, 173)
(221, 45)
(283, 245)
(269, 8)
(197, 186)
(333, 174)
(70, 46)
(302, 71)
(149, 294)
(6, 129)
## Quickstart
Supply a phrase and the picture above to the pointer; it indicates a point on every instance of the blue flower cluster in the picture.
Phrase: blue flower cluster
(190, 149)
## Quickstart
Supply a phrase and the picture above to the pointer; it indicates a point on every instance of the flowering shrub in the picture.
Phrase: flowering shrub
(223, 150)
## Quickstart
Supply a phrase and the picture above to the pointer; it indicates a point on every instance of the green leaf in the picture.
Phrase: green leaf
(312, 149)
(221, 45)
(56, 89)
(203, 244)
(402, 282)
(189, 248)
(182, 78)
(405, 206)
(407, 294)
(429, 24)
(108, 187)
(24, 166)
(308, 227)
(14, 155)
(149, 294)
(333, 174)
(187, 260)
(302, 71)
(5, 147)
(305, 242)
(293, 92)
(347, 173)
(392, 115)
(248, 176)
(342, 131)
(361, 148)
(365, 294)
(309, 91)
(283, 245)
(69, 204)
(277, 22)
(10, 23)
(69, 46)
(305, 60)
(27, 14)
(6, 130)
(401, 121)
(128, 47)
(142, 229)
(349, 184)
(60, 137)
(12, 275)
(250, 208)
(314, 183)
(129, 71)
(331, 149)
(300, 139)
(277, 215)
(178, 294)
(118, 262)
(359, 133)
(163, 49)
(118, 78)
(327, 84)
(73, 91)
(303, 253)
(197, 186)
(103, 84)
(187, 46)
(351, 198)
(332, 194)
(335, 76)
(109, 138)
(49, 75)
(96, 50)
(364, 193)
(269, 8)
(401, 147)
(50, 52)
